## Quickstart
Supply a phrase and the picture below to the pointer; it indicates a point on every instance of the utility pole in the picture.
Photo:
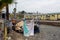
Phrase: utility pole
(7, 18)
(15, 10)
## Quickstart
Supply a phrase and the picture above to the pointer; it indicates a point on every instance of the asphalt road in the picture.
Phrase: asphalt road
(47, 32)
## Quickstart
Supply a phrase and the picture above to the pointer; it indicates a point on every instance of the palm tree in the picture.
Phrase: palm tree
(4, 3)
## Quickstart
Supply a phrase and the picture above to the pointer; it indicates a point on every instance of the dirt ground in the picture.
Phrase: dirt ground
(46, 33)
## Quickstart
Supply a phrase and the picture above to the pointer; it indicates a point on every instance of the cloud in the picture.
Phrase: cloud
(43, 6)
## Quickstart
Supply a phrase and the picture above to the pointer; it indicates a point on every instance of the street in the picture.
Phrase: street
(47, 32)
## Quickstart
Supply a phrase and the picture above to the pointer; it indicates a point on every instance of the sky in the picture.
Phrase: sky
(42, 6)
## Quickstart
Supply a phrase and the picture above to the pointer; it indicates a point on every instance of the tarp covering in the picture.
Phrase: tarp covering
(28, 28)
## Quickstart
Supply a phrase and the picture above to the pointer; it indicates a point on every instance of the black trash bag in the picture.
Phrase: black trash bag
(8, 30)
(18, 31)
(36, 29)
(13, 28)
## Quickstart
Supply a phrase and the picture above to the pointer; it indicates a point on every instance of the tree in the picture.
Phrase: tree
(22, 12)
(1, 5)
(4, 3)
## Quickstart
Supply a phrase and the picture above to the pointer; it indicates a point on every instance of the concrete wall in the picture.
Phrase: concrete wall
(53, 17)
(58, 16)
(44, 16)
